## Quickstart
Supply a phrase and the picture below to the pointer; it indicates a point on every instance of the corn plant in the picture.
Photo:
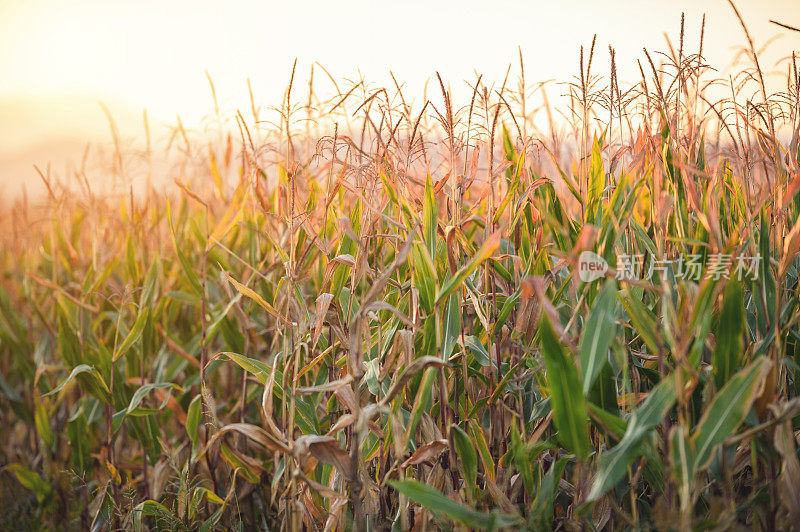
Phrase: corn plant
(390, 323)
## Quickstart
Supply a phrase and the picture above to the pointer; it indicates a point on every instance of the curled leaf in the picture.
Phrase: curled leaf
(415, 367)
(425, 453)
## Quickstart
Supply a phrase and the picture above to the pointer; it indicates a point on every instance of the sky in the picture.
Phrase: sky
(59, 58)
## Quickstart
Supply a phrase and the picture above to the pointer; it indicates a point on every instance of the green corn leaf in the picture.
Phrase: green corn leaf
(42, 422)
(727, 411)
(608, 422)
(130, 260)
(429, 215)
(612, 465)
(68, 343)
(467, 459)
(212, 522)
(542, 507)
(133, 334)
(642, 319)
(89, 378)
(478, 438)
(421, 402)
(150, 285)
(188, 270)
(79, 440)
(765, 285)
(683, 461)
(424, 278)
(161, 516)
(478, 351)
(489, 246)
(597, 335)
(644, 239)
(433, 500)
(570, 410)
(728, 350)
(604, 390)
(253, 295)
(32, 481)
(452, 325)
(260, 370)
(142, 392)
(519, 452)
(597, 181)
(193, 416)
(388, 188)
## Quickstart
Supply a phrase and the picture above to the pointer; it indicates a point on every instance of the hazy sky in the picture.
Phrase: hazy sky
(59, 57)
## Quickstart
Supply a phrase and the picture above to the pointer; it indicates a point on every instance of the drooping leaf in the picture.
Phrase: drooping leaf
(32, 481)
(399, 382)
(252, 294)
(160, 514)
(260, 370)
(425, 453)
(92, 381)
(434, 501)
(142, 392)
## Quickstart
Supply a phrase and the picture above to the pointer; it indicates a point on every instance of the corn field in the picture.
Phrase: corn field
(369, 313)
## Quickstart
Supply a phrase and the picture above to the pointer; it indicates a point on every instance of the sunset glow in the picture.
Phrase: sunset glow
(60, 58)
